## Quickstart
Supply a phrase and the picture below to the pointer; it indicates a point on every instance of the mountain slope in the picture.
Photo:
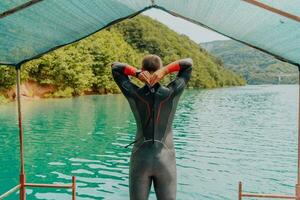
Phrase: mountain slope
(255, 66)
(150, 36)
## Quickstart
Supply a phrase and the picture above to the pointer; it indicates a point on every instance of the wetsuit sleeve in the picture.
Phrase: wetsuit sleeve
(184, 69)
(120, 72)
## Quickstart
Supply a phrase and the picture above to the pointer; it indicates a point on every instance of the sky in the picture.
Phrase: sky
(195, 32)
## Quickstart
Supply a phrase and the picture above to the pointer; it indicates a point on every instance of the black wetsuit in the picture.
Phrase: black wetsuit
(153, 154)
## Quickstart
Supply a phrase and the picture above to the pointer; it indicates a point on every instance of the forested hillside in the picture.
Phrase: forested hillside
(85, 67)
(150, 36)
(255, 66)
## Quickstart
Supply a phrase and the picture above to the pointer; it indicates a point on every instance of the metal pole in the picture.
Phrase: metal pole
(73, 188)
(240, 191)
(298, 171)
(22, 169)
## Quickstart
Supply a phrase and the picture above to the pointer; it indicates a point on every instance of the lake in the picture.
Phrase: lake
(222, 136)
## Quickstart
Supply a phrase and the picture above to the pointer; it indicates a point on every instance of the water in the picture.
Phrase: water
(222, 136)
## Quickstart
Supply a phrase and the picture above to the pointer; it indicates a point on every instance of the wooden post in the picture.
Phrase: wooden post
(298, 170)
(21, 134)
(240, 190)
(73, 188)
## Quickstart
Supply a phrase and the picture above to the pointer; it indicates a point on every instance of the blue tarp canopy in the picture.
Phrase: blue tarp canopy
(29, 29)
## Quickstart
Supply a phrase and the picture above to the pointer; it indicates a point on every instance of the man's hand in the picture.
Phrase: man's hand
(158, 75)
(145, 77)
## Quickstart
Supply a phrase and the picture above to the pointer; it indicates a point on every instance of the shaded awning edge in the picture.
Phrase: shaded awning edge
(168, 11)
(59, 46)
(243, 42)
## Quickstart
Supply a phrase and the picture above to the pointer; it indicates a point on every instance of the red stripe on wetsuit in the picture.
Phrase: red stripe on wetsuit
(129, 70)
(173, 67)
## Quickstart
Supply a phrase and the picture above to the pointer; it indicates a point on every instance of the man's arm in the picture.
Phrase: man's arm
(120, 72)
(184, 69)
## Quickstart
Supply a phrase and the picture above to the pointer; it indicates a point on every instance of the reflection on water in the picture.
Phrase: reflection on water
(221, 136)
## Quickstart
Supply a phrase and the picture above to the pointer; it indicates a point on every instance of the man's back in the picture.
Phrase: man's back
(153, 154)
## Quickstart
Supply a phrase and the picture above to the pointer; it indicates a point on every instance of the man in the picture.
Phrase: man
(153, 106)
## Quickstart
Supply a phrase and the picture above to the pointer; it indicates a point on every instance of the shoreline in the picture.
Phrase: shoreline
(25, 96)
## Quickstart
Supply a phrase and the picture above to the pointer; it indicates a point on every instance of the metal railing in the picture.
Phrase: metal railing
(22, 187)
(22, 181)
(241, 194)
(265, 196)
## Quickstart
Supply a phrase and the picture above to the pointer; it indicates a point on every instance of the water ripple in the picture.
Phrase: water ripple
(221, 136)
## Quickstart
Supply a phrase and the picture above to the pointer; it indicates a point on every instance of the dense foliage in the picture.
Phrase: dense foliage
(85, 66)
(7, 77)
(255, 66)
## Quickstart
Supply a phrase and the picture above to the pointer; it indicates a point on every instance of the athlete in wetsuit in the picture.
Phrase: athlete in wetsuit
(153, 154)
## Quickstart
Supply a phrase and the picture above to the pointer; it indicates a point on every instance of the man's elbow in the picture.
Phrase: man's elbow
(189, 61)
(115, 65)
(186, 63)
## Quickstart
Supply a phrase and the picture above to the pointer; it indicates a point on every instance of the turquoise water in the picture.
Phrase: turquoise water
(222, 136)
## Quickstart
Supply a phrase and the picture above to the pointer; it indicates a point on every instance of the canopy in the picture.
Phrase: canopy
(29, 29)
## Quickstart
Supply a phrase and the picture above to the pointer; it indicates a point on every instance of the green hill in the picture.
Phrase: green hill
(85, 67)
(150, 36)
(255, 66)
